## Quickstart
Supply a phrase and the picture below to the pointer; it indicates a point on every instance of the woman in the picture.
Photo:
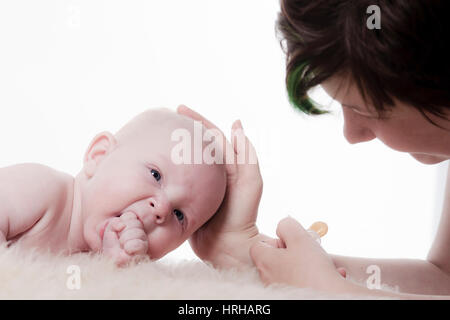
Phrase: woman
(394, 85)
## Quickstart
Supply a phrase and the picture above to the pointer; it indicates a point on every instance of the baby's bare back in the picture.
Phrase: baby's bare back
(35, 206)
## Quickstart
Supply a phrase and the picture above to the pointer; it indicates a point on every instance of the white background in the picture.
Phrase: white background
(70, 69)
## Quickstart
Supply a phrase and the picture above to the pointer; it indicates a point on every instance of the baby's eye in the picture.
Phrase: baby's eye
(179, 215)
(155, 174)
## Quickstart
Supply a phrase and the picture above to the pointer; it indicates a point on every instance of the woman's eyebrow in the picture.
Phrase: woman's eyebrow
(357, 108)
(361, 111)
(352, 106)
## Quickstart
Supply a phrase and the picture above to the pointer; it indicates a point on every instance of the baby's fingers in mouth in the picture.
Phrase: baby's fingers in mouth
(132, 234)
(117, 225)
(128, 215)
(112, 225)
(135, 246)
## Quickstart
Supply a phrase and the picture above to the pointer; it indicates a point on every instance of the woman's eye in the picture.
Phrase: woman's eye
(155, 174)
(179, 215)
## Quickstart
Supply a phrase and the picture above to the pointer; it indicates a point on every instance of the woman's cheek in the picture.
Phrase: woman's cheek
(394, 139)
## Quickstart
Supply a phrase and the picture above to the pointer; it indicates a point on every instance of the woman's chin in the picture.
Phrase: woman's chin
(428, 159)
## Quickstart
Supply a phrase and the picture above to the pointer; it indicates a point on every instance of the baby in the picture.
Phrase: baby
(130, 198)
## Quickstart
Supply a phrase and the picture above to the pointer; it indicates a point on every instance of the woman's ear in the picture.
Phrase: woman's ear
(99, 148)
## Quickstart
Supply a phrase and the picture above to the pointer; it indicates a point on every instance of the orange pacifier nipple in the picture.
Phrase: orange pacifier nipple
(318, 230)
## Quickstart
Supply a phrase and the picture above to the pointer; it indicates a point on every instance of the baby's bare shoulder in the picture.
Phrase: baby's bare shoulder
(27, 192)
(32, 176)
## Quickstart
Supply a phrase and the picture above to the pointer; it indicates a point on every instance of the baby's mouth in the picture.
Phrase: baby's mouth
(139, 218)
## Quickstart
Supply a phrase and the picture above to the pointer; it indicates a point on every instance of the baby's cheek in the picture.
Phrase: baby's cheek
(161, 242)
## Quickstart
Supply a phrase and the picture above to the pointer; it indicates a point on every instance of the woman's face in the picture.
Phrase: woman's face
(403, 129)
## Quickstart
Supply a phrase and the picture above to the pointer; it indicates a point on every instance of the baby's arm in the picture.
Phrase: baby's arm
(27, 191)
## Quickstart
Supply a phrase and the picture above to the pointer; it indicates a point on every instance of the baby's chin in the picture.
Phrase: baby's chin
(428, 159)
(156, 254)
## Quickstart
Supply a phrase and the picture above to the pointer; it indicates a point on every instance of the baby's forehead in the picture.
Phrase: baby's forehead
(173, 138)
(160, 124)
(199, 179)
(164, 121)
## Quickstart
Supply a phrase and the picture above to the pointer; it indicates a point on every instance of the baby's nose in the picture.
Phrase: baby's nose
(161, 209)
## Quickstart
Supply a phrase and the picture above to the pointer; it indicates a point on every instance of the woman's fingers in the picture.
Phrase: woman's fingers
(240, 145)
(182, 109)
(291, 232)
(264, 249)
(240, 142)
(276, 243)
(261, 250)
(245, 152)
(264, 255)
(225, 145)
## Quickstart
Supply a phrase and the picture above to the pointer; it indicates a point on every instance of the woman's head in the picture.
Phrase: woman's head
(400, 71)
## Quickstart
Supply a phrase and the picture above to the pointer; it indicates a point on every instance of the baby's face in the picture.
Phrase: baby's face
(171, 200)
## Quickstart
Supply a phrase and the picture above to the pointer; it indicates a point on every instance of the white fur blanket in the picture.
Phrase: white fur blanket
(29, 275)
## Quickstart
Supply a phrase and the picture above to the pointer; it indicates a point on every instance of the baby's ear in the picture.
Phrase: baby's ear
(100, 146)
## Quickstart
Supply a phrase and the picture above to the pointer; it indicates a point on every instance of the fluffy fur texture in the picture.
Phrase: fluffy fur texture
(32, 275)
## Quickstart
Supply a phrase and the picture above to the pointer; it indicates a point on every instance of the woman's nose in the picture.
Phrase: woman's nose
(356, 131)
(160, 208)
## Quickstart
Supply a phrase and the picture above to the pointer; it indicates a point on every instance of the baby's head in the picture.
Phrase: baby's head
(133, 171)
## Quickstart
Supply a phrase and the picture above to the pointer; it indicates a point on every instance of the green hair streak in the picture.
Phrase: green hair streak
(300, 100)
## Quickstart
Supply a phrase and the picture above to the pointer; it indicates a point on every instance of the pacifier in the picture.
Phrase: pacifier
(317, 230)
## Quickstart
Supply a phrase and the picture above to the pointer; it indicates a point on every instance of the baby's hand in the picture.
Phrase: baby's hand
(124, 239)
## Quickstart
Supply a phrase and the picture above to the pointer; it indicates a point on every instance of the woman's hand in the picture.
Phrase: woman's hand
(225, 239)
(297, 260)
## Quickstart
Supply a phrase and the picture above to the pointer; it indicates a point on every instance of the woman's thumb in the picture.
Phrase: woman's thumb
(290, 231)
(260, 249)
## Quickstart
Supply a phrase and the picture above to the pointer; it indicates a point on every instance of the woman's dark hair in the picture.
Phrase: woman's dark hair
(407, 59)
